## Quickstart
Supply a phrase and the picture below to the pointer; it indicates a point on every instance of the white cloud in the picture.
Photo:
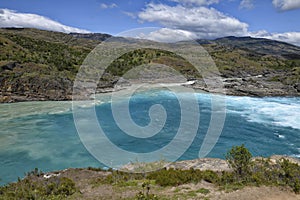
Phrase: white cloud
(289, 37)
(106, 6)
(168, 35)
(196, 2)
(11, 18)
(186, 23)
(182, 22)
(285, 5)
(246, 4)
(200, 21)
(130, 14)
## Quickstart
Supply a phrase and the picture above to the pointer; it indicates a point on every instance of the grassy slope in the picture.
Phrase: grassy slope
(45, 62)
(234, 60)
(57, 57)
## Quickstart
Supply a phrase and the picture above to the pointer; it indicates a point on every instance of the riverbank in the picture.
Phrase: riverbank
(93, 183)
(253, 86)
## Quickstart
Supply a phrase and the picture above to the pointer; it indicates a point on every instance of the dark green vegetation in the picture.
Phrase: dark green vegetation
(260, 171)
(34, 187)
(145, 56)
(39, 64)
(239, 56)
(245, 172)
(42, 65)
(239, 159)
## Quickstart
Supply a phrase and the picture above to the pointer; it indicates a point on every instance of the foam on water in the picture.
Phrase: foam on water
(284, 112)
(43, 134)
(279, 136)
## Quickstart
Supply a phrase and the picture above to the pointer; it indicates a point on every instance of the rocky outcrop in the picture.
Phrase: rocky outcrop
(261, 85)
(48, 89)
(213, 164)
(17, 85)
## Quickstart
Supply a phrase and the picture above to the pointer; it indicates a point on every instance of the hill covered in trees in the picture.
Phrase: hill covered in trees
(42, 65)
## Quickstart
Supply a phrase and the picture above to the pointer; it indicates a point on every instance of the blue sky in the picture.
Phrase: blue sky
(274, 19)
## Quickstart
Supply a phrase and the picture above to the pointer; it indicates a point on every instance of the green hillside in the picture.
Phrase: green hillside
(42, 65)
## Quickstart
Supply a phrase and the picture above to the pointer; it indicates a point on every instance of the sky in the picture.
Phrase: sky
(175, 19)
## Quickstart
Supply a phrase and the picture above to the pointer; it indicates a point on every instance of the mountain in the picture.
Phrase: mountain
(261, 46)
(42, 65)
(91, 36)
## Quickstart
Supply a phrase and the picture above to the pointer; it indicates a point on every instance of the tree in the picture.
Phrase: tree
(239, 159)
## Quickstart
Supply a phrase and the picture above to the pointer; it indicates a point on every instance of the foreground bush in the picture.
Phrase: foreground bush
(175, 177)
(261, 171)
(34, 188)
(239, 159)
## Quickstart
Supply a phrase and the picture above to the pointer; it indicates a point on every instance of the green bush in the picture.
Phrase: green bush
(210, 176)
(33, 188)
(175, 177)
(65, 187)
(290, 174)
(239, 159)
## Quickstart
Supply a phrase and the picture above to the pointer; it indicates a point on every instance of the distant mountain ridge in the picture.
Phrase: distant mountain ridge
(257, 45)
(92, 36)
(262, 46)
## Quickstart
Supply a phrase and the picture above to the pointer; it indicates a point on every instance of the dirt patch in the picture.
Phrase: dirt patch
(258, 193)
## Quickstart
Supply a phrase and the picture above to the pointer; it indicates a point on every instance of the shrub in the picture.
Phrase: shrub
(175, 177)
(65, 187)
(290, 173)
(239, 159)
(31, 188)
(210, 176)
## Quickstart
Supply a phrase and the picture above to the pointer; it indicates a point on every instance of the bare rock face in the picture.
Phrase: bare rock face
(214, 164)
(9, 66)
(255, 86)
(297, 87)
(277, 158)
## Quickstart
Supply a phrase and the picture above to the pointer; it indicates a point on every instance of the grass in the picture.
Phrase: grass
(151, 185)
(203, 191)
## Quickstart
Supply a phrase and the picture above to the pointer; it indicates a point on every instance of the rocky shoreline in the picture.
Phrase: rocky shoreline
(44, 90)
(253, 86)
(213, 164)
